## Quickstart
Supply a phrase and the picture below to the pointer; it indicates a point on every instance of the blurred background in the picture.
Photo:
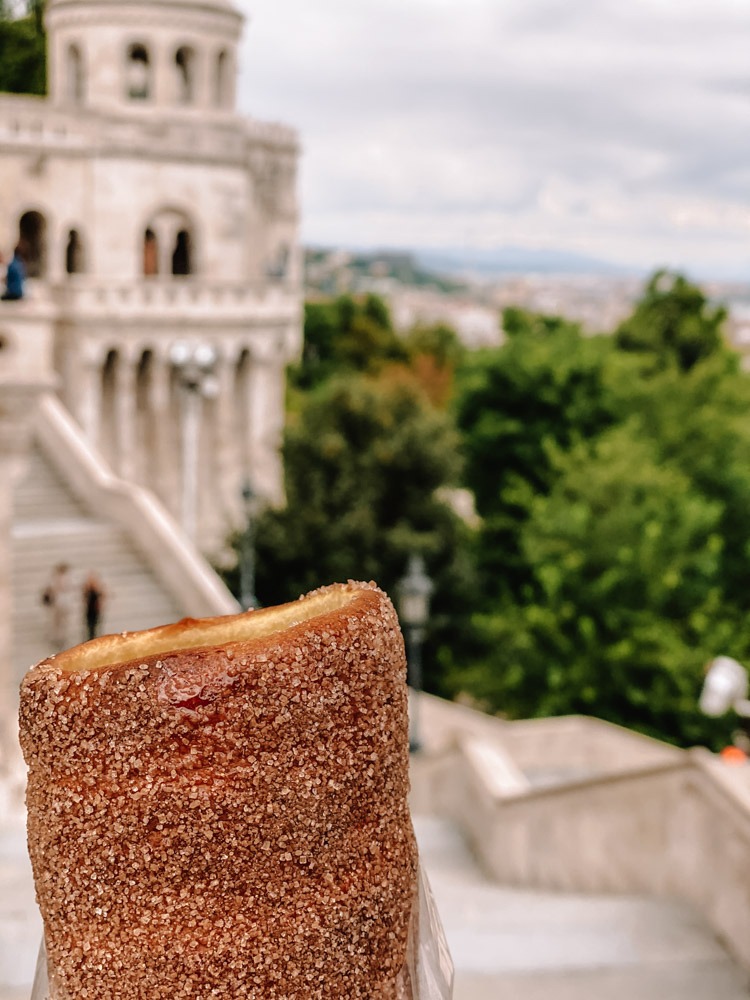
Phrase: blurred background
(472, 322)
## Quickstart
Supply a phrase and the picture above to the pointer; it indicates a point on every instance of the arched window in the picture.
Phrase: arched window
(150, 253)
(185, 62)
(221, 79)
(138, 70)
(168, 244)
(32, 240)
(74, 261)
(75, 83)
(181, 263)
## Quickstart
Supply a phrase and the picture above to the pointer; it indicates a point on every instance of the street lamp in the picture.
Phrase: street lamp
(414, 591)
(194, 365)
(248, 599)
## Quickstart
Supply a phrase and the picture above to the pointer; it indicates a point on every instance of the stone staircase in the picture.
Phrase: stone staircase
(508, 942)
(50, 525)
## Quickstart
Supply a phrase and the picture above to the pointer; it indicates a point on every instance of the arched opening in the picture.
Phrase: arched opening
(150, 253)
(168, 244)
(181, 263)
(185, 62)
(32, 240)
(146, 428)
(221, 79)
(138, 73)
(108, 432)
(74, 260)
(75, 82)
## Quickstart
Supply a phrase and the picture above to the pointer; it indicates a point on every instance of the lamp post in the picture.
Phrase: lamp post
(414, 592)
(194, 364)
(248, 599)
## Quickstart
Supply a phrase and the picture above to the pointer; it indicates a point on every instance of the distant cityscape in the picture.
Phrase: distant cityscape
(463, 292)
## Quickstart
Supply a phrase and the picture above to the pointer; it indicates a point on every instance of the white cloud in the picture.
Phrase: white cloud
(622, 129)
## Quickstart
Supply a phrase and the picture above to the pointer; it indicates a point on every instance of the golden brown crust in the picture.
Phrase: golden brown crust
(228, 821)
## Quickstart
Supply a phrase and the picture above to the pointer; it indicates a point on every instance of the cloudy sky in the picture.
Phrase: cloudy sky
(615, 129)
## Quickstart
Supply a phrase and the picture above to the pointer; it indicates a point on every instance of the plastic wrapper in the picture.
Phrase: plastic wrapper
(428, 970)
(427, 973)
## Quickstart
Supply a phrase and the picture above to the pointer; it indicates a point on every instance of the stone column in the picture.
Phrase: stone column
(228, 452)
(17, 410)
(163, 461)
(90, 401)
(25, 372)
(125, 417)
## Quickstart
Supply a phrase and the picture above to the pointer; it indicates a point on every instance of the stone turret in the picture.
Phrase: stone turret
(148, 56)
(160, 225)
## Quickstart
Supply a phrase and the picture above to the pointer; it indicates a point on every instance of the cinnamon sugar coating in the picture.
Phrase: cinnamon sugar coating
(227, 822)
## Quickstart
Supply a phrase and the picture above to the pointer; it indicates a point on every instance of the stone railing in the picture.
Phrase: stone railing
(173, 558)
(573, 743)
(26, 120)
(174, 297)
(676, 825)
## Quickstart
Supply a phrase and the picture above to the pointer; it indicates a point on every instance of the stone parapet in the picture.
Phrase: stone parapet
(155, 133)
(154, 301)
(173, 558)
(674, 823)
(26, 342)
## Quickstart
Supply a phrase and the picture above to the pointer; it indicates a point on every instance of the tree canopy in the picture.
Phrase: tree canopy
(23, 68)
(612, 479)
(672, 323)
(611, 475)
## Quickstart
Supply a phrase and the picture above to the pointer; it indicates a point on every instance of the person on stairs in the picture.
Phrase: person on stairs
(94, 595)
(57, 598)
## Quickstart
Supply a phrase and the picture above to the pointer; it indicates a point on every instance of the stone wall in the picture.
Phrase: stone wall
(671, 823)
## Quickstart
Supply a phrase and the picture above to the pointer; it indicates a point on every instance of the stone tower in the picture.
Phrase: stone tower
(160, 227)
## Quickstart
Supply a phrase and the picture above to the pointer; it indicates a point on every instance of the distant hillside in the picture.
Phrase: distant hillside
(333, 272)
(513, 260)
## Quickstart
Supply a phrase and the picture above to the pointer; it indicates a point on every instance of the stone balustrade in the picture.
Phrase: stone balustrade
(31, 121)
(168, 298)
(644, 818)
(173, 558)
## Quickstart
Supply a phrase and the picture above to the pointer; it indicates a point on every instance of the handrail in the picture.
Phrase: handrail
(172, 557)
(680, 827)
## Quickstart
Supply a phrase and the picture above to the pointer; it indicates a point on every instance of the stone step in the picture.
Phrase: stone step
(43, 492)
(704, 980)
(509, 943)
(51, 526)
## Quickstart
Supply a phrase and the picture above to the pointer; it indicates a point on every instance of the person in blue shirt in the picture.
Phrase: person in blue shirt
(15, 277)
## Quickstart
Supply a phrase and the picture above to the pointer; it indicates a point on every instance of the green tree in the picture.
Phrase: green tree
(346, 335)
(365, 462)
(613, 478)
(673, 323)
(23, 49)
(435, 353)
(626, 560)
(698, 421)
(546, 388)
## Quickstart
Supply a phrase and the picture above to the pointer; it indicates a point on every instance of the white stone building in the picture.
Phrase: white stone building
(159, 229)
